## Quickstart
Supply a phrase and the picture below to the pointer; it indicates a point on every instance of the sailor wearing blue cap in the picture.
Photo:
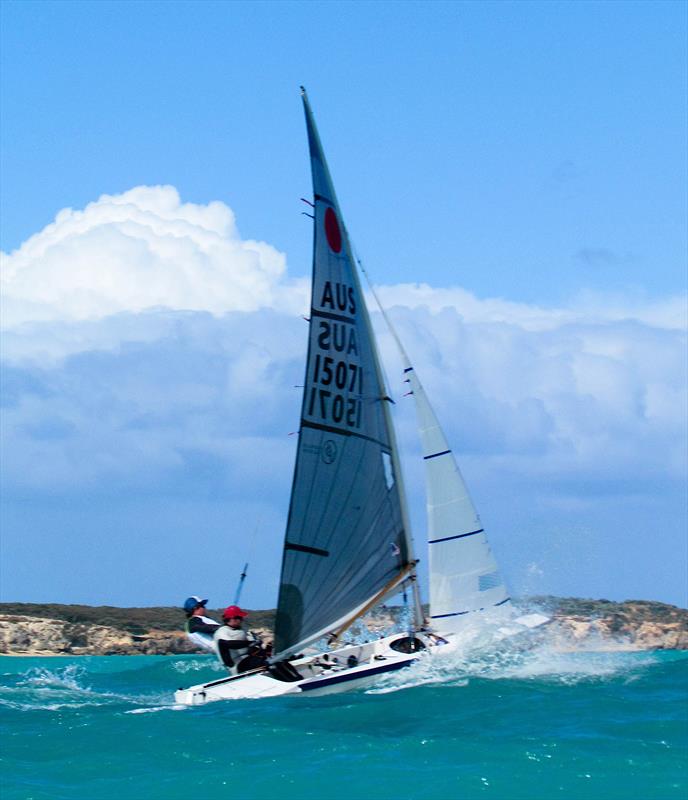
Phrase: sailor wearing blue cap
(199, 628)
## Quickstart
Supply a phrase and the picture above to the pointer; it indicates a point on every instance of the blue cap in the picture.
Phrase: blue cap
(193, 602)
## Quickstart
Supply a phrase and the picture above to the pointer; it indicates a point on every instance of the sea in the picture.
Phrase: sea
(541, 724)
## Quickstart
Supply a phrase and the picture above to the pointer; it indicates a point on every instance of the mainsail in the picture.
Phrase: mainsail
(347, 541)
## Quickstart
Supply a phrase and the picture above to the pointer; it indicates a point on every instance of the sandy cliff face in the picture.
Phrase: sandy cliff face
(634, 625)
(35, 636)
(579, 633)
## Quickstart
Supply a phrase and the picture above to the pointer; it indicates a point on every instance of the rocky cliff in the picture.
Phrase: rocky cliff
(633, 625)
(22, 635)
(576, 625)
(35, 636)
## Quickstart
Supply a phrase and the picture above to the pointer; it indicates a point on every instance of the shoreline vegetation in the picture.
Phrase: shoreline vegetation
(44, 629)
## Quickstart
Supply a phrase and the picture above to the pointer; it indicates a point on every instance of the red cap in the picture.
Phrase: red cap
(233, 611)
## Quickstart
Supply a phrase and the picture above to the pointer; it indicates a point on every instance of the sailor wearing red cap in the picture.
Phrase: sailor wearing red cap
(237, 649)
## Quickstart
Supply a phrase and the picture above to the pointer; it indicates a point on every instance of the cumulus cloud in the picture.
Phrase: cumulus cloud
(137, 250)
(147, 348)
(162, 311)
(582, 398)
(194, 389)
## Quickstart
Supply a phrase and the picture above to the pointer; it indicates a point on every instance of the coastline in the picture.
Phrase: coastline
(577, 624)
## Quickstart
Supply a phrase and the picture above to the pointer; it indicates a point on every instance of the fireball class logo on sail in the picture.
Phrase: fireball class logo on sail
(336, 379)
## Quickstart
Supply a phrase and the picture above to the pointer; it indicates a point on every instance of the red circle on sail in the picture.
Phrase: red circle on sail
(334, 235)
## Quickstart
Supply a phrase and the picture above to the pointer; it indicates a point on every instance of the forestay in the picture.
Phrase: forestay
(347, 536)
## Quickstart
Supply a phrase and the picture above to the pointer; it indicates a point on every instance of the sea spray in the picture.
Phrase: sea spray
(544, 663)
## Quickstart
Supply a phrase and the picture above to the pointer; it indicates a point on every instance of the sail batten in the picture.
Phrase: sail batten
(347, 532)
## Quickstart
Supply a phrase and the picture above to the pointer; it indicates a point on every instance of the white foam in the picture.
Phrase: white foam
(65, 678)
(155, 709)
(541, 663)
(42, 689)
(196, 664)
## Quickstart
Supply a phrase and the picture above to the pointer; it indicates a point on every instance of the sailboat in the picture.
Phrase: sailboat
(348, 544)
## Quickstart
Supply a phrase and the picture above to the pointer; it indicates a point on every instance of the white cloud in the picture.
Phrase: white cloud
(178, 389)
(606, 400)
(148, 348)
(588, 307)
(600, 385)
(138, 250)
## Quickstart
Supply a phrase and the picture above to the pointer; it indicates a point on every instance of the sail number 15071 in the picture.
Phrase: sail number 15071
(331, 405)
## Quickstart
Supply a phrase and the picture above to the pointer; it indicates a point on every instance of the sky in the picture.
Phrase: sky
(513, 175)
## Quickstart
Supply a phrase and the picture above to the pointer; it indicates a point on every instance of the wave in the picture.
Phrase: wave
(542, 663)
(145, 684)
(68, 687)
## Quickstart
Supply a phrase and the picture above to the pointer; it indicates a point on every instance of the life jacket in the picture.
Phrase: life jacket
(201, 638)
(234, 658)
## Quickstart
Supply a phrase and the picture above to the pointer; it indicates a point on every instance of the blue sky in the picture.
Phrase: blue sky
(525, 161)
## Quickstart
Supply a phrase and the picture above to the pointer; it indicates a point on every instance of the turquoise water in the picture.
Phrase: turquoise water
(541, 725)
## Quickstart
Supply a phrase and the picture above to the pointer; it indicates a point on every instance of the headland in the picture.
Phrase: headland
(44, 629)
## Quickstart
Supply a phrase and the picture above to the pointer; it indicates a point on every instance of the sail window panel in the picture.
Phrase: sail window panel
(456, 569)
(489, 581)
(334, 497)
(388, 469)
(348, 511)
(459, 595)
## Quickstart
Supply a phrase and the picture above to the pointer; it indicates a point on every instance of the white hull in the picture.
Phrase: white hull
(353, 666)
(345, 669)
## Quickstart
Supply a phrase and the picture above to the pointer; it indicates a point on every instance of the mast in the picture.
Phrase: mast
(418, 616)
(347, 542)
